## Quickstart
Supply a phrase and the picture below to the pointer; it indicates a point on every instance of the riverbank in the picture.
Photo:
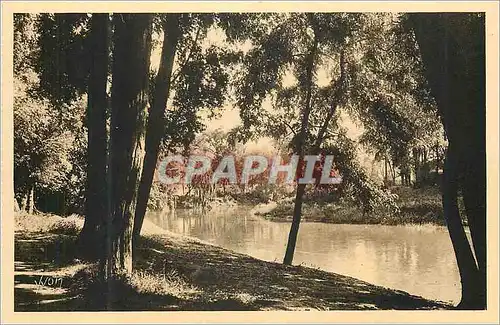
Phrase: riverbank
(417, 206)
(174, 272)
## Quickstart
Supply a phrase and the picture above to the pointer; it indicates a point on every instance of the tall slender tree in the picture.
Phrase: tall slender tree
(321, 43)
(156, 124)
(198, 83)
(301, 139)
(91, 243)
(73, 59)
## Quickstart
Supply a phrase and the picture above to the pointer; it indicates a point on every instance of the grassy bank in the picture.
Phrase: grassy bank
(417, 206)
(178, 273)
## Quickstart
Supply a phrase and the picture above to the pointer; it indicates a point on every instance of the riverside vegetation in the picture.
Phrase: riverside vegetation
(416, 206)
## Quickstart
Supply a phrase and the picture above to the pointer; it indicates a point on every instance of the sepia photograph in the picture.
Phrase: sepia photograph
(212, 159)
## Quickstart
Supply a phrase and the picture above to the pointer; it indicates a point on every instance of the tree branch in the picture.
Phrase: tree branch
(178, 72)
(337, 97)
(290, 127)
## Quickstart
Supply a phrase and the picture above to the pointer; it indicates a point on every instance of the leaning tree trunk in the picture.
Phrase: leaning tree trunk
(453, 54)
(297, 210)
(337, 98)
(474, 155)
(156, 121)
(131, 60)
(90, 242)
(465, 259)
(474, 194)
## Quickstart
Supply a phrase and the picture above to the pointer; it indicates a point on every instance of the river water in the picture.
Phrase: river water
(415, 259)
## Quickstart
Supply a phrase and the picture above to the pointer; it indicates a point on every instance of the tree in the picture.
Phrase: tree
(156, 120)
(47, 138)
(72, 60)
(453, 53)
(300, 141)
(130, 73)
(61, 60)
(269, 61)
(96, 201)
(45, 144)
(303, 45)
(390, 98)
(200, 82)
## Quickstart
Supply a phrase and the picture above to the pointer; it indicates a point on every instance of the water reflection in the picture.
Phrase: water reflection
(417, 259)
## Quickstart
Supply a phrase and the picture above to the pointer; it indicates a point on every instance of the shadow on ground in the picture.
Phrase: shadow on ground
(264, 285)
(48, 278)
(44, 273)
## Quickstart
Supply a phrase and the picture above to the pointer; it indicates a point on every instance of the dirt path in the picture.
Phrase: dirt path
(44, 274)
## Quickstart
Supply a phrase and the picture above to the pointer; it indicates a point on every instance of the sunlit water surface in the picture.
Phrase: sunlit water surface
(415, 259)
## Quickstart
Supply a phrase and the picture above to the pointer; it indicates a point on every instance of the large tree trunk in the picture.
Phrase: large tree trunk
(156, 121)
(90, 242)
(131, 60)
(465, 259)
(453, 53)
(474, 157)
(474, 194)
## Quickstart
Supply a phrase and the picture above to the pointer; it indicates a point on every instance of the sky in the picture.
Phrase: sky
(229, 116)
